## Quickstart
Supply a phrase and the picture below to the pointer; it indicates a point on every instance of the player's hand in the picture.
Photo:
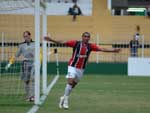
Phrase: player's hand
(41, 57)
(12, 60)
(116, 50)
(47, 38)
(7, 66)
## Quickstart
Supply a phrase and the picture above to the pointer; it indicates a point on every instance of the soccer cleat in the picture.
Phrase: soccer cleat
(30, 99)
(65, 103)
(61, 102)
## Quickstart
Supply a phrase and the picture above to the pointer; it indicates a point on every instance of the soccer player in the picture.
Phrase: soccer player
(77, 63)
(27, 49)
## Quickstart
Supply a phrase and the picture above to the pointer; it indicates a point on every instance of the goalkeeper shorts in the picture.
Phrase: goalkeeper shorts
(27, 70)
(75, 73)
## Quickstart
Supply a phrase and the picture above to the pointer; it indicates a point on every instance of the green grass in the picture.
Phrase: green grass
(12, 94)
(94, 94)
(103, 94)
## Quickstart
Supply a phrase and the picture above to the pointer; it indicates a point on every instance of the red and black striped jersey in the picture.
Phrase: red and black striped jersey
(80, 53)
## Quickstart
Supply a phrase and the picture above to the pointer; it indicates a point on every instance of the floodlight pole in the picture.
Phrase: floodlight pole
(37, 51)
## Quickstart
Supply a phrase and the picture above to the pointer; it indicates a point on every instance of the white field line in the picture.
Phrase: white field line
(35, 108)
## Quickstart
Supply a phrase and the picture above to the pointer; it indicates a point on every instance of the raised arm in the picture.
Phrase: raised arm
(47, 38)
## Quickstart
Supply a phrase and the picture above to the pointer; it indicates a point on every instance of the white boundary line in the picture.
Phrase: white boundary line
(35, 108)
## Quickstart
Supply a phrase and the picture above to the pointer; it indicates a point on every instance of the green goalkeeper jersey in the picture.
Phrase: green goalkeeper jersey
(27, 50)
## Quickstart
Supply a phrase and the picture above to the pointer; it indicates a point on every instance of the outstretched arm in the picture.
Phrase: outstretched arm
(116, 50)
(47, 38)
(98, 48)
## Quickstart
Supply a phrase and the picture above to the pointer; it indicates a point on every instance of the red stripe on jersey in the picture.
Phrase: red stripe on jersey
(72, 58)
(80, 61)
(81, 53)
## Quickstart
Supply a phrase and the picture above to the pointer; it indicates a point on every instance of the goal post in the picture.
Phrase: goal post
(37, 52)
(38, 8)
(44, 47)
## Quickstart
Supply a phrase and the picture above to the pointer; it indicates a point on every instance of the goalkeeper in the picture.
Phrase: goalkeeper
(26, 49)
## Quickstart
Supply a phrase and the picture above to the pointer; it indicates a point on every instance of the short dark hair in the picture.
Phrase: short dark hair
(27, 32)
(86, 34)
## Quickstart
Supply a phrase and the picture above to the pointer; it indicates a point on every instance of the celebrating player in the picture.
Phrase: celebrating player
(77, 63)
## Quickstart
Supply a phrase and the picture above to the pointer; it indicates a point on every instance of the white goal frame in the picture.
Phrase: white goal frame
(39, 9)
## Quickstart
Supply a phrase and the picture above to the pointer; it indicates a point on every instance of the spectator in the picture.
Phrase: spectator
(148, 12)
(134, 45)
(137, 35)
(75, 10)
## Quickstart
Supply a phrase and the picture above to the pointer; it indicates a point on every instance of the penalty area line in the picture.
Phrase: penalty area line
(35, 108)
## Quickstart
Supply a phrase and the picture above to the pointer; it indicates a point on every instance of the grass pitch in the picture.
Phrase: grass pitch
(103, 94)
(94, 94)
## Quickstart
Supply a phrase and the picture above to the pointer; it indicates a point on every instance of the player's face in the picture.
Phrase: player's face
(27, 37)
(85, 38)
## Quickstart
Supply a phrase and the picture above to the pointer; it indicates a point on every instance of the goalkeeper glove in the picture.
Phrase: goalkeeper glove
(11, 61)
(41, 57)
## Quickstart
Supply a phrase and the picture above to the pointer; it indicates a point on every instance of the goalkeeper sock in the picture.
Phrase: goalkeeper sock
(68, 90)
(27, 90)
(32, 88)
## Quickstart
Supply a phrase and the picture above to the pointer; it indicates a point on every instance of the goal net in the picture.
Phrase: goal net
(17, 16)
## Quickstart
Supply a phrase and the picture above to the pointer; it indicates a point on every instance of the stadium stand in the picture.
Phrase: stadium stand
(110, 28)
